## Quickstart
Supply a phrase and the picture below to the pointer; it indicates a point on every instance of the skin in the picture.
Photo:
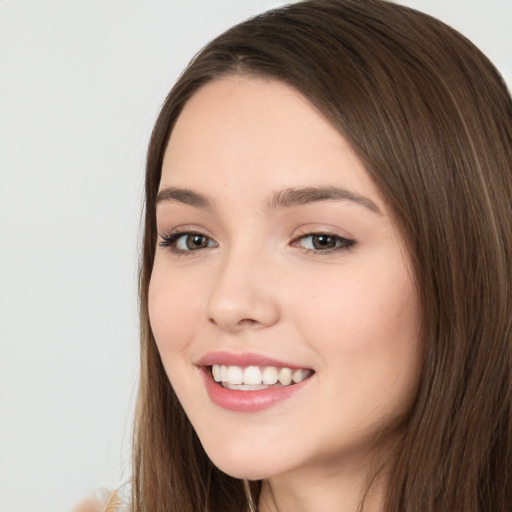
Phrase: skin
(260, 286)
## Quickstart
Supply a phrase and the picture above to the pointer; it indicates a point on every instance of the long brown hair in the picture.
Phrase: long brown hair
(431, 119)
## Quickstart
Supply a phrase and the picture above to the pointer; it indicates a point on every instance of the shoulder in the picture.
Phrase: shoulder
(90, 505)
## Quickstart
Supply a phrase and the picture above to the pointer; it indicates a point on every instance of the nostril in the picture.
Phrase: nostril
(246, 322)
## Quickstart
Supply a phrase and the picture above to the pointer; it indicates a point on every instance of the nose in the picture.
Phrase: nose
(242, 295)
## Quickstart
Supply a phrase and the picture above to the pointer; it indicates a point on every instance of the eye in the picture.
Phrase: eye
(323, 242)
(182, 242)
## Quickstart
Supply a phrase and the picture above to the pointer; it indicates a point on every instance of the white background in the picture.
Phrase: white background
(80, 86)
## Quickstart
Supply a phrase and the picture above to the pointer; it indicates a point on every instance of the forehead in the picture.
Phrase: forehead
(250, 107)
(256, 107)
(244, 93)
(261, 132)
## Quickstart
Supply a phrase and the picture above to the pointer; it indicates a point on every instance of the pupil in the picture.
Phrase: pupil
(196, 241)
(323, 242)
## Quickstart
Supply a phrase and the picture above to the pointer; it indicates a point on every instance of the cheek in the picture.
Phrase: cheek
(172, 309)
(359, 311)
(366, 330)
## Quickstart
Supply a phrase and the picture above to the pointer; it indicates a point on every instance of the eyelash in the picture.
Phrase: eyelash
(341, 243)
(171, 240)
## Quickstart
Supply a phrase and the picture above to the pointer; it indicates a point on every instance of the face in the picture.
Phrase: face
(282, 299)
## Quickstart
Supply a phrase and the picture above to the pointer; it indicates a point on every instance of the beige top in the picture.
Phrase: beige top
(105, 501)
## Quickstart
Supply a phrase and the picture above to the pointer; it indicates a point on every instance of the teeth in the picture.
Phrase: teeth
(216, 373)
(256, 377)
(300, 375)
(270, 375)
(235, 375)
(252, 375)
(285, 376)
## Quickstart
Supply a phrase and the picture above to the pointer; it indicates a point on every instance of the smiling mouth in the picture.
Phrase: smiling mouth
(254, 378)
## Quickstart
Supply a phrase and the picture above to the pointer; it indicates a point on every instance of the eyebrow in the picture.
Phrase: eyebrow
(291, 197)
(287, 198)
(183, 195)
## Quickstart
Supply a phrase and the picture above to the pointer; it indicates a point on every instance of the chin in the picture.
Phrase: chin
(244, 471)
(243, 464)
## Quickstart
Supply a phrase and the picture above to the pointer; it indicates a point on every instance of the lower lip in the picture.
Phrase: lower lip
(248, 401)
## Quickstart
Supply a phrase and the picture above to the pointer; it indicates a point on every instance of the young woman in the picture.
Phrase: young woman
(325, 284)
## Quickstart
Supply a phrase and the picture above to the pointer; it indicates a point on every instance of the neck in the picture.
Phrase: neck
(324, 490)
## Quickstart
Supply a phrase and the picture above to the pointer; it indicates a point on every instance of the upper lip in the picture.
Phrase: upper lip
(244, 359)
